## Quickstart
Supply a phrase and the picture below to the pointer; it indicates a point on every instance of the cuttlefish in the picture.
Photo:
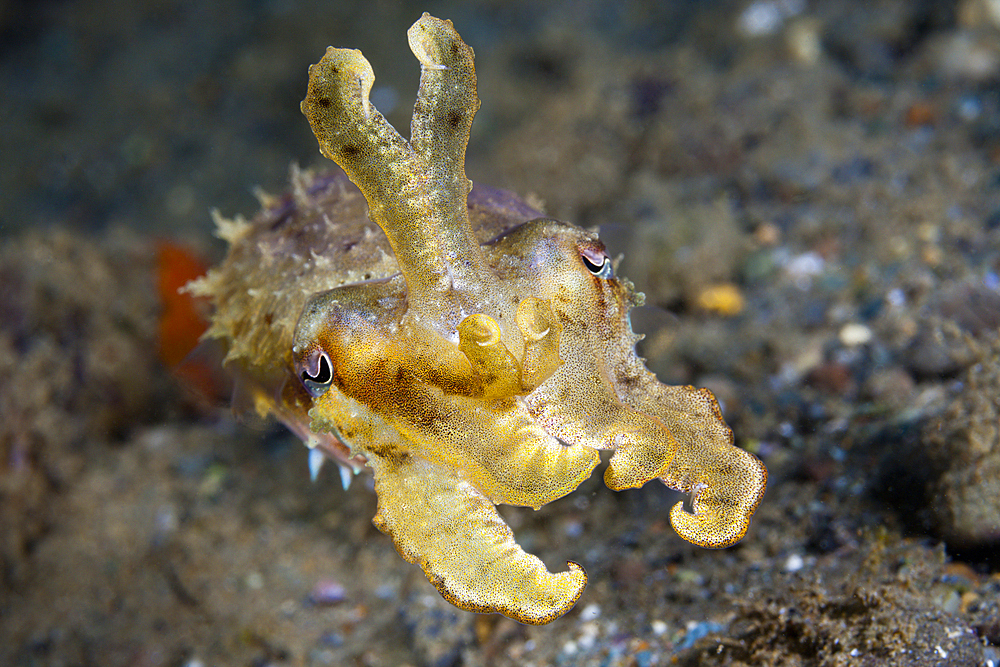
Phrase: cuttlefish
(466, 349)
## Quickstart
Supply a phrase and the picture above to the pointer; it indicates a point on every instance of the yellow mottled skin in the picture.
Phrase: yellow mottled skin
(485, 359)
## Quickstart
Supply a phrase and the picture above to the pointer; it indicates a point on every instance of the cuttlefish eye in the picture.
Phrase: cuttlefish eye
(597, 261)
(317, 374)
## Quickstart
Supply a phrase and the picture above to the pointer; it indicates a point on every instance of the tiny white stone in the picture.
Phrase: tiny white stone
(854, 334)
(590, 612)
(255, 581)
(760, 19)
(766, 17)
(794, 563)
(896, 297)
(587, 641)
(806, 264)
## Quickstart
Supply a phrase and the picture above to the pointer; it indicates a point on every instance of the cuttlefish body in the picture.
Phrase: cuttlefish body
(485, 359)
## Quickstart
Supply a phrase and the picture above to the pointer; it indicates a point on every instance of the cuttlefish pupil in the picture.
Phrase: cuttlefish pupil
(467, 361)
(597, 262)
(317, 375)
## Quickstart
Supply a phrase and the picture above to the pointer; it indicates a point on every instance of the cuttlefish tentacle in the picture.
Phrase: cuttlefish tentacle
(439, 520)
(590, 345)
(596, 418)
(541, 330)
(480, 340)
(675, 434)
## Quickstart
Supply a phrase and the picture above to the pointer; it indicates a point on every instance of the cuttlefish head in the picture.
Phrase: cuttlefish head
(487, 374)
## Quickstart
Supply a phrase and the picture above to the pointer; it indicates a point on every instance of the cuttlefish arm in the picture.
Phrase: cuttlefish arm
(441, 460)
(602, 396)
(454, 533)
(726, 483)
(439, 519)
(417, 190)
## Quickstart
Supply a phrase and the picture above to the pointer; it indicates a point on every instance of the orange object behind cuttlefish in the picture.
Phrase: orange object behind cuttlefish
(183, 319)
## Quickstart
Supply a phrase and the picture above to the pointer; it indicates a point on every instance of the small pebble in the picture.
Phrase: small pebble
(855, 334)
(831, 377)
(695, 631)
(767, 234)
(975, 13)
(951, 602)
(794, 563)
(588, 636)
(803, 41)
(802, 268)
(766, 17)
(590, 612)
(919, 114)
(969, 108)
(331, 639)
(327, 592)
(723, 299)
(643, 659)
(969, 56)
(806, 264)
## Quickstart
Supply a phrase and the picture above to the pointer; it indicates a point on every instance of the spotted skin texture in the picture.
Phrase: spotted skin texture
(467, 350)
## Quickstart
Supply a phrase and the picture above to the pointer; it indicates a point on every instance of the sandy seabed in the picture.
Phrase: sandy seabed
(808, 194)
